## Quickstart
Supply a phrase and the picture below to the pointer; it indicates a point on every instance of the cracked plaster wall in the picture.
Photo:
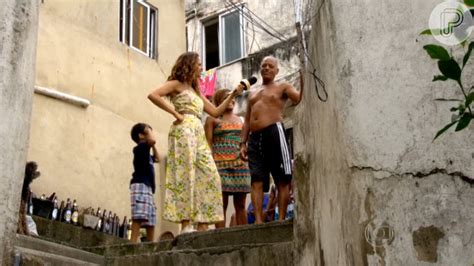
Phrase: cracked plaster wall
(18, 31)
(278, 14)
(365, 159)
(258, 44)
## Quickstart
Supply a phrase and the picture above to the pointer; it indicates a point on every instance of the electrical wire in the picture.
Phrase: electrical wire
(250, 16)
(321, 91)
(254, 21)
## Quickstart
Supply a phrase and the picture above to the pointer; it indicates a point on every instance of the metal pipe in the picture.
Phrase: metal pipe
(84, 103)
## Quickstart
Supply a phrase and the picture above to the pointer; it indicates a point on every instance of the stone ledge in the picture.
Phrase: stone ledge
(41, 249)
(248, 254)
(274, 232)
(132, 248)
(71, 235)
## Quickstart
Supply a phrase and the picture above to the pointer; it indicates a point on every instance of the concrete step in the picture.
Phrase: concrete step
(35, 251)
(271, 254)
(30, 257)
(71, 235)
(274, 232)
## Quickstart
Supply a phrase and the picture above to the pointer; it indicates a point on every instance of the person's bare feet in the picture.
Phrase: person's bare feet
(202, 227)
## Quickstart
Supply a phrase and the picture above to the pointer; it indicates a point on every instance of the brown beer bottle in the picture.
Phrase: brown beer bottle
(129, 229)
(105, 225)
(112, 225)
(75, 213)
(109, 222)
(54, 213)
(52, 196)
(117, 226)
(123, 228)
(68, 212)
(61, 212)
(99, 223)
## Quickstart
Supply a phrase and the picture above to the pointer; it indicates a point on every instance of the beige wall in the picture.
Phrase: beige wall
(86, 153)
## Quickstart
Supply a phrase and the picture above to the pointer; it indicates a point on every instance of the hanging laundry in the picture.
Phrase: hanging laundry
(207, 82)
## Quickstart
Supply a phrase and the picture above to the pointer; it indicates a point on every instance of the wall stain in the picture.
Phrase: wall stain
(321, 255)
(425, 242)
(368, 206)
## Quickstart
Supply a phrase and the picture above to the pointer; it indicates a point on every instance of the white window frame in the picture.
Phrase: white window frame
(240, 11)
(147, 53)
(123, 15)
(151, 28)
(221, 42)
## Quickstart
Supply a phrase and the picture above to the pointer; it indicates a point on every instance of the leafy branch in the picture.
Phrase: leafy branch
(451, 70)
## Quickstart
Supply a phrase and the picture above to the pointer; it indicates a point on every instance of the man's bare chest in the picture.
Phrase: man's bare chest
(268, 96)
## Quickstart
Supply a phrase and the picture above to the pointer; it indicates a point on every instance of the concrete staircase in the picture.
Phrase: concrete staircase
(29, 251)
(268, 244)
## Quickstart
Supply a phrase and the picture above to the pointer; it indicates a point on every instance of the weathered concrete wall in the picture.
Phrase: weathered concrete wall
(366, 166)
(258, 44)
(86, 154)
(18, 31)
(279, 15)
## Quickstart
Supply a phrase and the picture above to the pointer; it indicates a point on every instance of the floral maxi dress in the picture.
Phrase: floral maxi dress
(193, 186)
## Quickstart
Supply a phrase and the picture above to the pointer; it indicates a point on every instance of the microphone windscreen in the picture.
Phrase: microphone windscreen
(252, 80)
(248, 82)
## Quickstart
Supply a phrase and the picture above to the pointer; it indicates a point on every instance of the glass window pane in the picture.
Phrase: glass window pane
(231, 31)
(140, 26)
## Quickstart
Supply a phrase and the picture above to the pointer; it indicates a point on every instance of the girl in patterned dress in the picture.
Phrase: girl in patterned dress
(192, 188)
(223, 135)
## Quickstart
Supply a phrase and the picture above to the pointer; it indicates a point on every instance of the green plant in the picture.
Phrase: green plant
(450, 70)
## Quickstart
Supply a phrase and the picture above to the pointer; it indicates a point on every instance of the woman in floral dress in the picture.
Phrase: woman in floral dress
(223, 135)
(193, 188)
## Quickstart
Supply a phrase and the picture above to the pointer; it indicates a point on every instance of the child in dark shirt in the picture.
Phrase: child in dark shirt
(142, 185)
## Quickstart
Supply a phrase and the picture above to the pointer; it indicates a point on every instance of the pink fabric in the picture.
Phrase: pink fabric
(207, 82)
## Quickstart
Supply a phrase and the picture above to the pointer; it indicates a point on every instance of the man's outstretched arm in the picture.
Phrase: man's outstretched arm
(294, 95)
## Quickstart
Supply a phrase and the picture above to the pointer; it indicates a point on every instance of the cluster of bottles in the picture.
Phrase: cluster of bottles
(68, 212)
(111, 224)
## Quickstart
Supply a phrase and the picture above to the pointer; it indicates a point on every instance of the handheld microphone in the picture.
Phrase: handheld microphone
(248, 82)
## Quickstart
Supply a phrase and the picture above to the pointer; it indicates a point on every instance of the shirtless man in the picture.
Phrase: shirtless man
(267, 145)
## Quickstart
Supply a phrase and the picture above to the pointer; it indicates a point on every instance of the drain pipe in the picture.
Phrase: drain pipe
(81, 102)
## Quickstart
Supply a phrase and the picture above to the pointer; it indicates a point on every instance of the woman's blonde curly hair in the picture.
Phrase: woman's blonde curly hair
(184, 70)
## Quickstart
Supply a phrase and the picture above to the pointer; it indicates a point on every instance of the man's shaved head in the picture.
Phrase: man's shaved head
(272, 58)
(269, 69)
